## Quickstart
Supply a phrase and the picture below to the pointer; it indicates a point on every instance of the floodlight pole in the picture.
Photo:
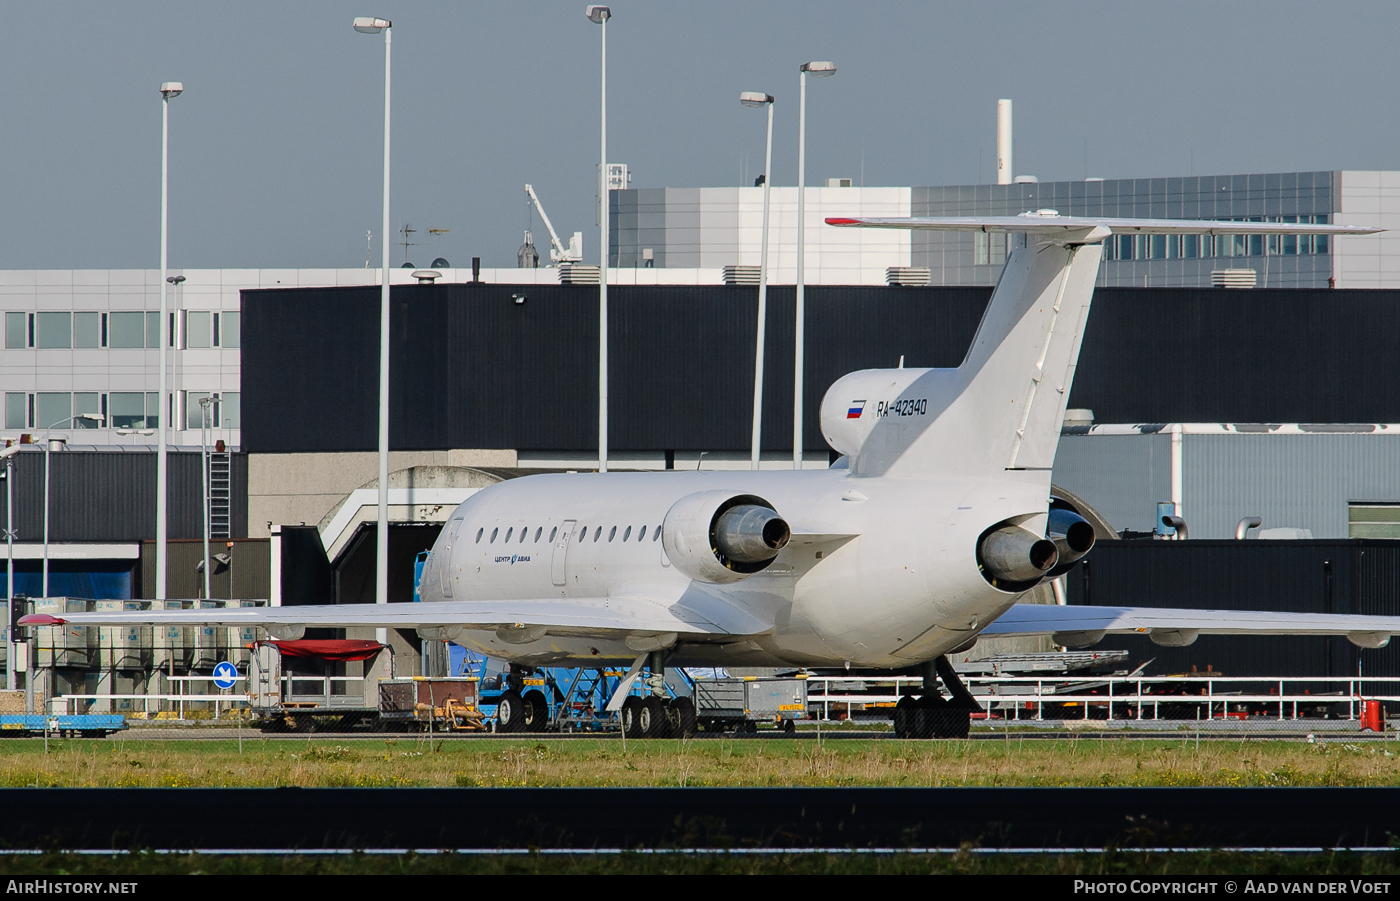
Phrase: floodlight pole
(600, 15)
(373, 25)
(818, 70)
(761, 335)
(10, 570)
(163, 413)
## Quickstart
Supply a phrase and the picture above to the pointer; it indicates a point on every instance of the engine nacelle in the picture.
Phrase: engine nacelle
(1013, 558)
(719, 536)
(855, 402)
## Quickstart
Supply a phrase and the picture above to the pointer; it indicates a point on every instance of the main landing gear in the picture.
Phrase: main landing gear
(932, 715)
(655, 715)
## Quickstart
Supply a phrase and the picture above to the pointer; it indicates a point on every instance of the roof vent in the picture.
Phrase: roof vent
(907, 276)
(577, 274)
(426, 276)
(1233, 278)
(741, 275)
(838, 182)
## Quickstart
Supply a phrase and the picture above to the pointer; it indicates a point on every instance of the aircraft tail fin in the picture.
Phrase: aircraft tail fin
(1003, 407)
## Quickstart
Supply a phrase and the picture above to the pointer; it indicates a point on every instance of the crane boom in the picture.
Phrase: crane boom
(558, 253)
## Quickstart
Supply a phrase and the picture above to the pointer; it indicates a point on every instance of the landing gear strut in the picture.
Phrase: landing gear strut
(932, 715)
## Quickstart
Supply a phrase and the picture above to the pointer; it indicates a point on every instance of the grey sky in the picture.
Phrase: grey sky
(275, 146)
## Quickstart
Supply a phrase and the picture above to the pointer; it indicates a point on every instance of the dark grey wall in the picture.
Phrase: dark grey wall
(111, 495)
(1344, 576)
(469, 368)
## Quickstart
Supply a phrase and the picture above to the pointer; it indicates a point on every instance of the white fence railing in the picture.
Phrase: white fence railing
(1141, 697)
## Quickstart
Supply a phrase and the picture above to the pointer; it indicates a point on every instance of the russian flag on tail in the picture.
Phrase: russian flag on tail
(857, 407)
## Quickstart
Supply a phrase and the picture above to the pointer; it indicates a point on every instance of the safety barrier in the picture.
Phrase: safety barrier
(1137, 698)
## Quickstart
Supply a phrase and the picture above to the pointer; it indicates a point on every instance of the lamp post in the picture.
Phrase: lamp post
(600, 15)
(9, 456)
(818, 70)
(167, 90)
(48, 446)
(204, 405)
(760, 99)
(372, 25)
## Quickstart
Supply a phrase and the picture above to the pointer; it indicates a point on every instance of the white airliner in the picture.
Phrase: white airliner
(937, 517)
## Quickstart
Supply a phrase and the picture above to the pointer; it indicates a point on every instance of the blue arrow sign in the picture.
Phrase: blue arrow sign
(225, 674)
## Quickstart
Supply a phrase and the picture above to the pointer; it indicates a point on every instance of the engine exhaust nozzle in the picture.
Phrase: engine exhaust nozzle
(1072, 534)
(1014, 554)
(750, 533)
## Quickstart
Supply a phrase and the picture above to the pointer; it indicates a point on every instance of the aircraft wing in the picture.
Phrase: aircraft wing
(1081, 626)
(1045, 224)
(602, 617)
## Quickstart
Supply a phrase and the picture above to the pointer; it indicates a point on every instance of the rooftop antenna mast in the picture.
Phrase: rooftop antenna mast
(408, 231)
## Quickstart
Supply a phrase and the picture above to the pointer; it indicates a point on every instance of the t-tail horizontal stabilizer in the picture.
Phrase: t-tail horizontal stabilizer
(1003, 407)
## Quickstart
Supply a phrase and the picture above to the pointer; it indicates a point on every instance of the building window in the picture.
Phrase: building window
(231, 410)
(231, 329)
(87, 402)
(53, 409)
(16, 409)
(194, 411)
(128, 330)
(16, 332)
(128, 409)
(198, 329)
(55, 330)
(1373, 520)
(87, 329)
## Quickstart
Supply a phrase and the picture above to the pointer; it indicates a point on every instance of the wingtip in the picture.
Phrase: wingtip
(40, 619)
(841, 220)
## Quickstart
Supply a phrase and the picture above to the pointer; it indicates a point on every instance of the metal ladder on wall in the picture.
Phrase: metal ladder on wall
(220, 489)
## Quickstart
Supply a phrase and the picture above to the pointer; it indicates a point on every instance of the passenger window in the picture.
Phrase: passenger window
(508, 533)
(479, 532)
(656, 536)
(553, 532)
(583, 534)
(524, 533)
(642, 535)
(494, 532)
(628, 534)
(597, 534)
(612, 533)
(538, 533)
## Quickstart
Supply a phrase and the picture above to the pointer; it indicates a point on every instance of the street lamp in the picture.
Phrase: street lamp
(167, 90)
(8, 455)
(759, 99)
(599, 15)
(204, 405)
(48, 446)
(372, 25)
(817, 70)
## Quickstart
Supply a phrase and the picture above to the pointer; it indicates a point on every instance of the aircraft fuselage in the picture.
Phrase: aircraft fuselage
(879, 572)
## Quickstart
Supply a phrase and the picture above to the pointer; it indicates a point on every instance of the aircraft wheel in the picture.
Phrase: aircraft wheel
(682, 717)
(906, 717)
(632, 717)
(538, 711)
(653, 718)
(511, 712)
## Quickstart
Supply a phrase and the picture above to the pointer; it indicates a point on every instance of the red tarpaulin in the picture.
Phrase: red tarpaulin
(329, 649)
